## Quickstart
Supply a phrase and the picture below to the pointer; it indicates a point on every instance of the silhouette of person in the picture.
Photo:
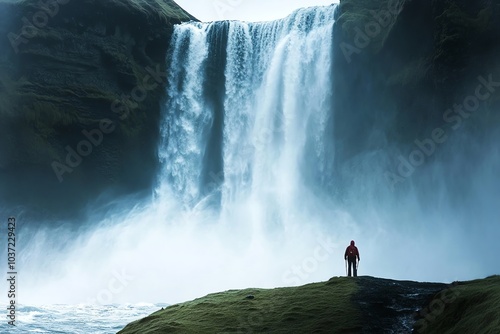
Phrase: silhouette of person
(350, 255)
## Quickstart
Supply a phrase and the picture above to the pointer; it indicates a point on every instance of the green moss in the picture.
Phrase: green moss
(476, 309)
(457, 17)
(356, 14)
(412, 72)
(165, 9)
(455, 28)
(328, 307)
(313, 308)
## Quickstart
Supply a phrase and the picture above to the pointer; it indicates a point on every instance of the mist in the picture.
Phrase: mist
(252, 193)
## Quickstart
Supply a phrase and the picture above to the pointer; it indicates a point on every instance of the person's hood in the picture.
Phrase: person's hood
(352, 242)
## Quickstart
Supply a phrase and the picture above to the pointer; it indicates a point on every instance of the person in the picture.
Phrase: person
(350, 255)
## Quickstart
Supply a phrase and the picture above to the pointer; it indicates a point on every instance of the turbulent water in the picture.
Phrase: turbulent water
(251, 192)
(77, 319)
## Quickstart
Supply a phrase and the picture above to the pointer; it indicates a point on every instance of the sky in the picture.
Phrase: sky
(246, 10)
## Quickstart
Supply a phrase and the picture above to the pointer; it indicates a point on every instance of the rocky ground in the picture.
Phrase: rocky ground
(341, 305)
(389, 306)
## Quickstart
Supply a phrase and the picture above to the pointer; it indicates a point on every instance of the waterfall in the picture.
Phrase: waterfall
(188, 117)
(274, 113)
(252, 194)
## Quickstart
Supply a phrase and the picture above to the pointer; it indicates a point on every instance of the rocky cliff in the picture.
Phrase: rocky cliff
(80, 85)
(404, 63)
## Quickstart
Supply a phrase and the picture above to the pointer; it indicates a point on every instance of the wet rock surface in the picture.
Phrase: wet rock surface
(390, 306)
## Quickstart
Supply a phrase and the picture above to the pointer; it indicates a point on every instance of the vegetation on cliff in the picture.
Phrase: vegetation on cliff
(312, 308)
(400, 65)
(340, 305)
(65, 67)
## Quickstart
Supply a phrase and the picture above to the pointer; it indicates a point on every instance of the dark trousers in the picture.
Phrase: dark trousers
(351, 261)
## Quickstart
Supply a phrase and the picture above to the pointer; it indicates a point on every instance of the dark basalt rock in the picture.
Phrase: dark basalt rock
(405, 72)
(64, 71)
(65, 66)
(390, 306)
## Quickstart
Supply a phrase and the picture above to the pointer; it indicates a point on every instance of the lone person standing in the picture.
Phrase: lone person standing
(351, 253)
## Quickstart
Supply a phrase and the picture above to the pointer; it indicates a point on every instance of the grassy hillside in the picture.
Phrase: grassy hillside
(468, 307)
(313, 308)
(341, 305)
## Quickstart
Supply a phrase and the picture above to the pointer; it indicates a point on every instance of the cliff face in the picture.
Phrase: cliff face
(400, 64)
(80, 85)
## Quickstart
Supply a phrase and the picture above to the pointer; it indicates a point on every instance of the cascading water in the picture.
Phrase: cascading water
(188, 114)
(249, 194)
(249, 145)
(276, 110)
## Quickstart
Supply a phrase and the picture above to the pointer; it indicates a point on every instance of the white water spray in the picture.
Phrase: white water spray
(265, 217)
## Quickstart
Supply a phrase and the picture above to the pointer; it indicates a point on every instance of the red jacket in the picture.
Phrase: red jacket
(351, 251)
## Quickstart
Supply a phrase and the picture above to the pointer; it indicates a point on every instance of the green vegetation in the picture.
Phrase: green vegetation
(314, 308)
(86, 63)
(341, 305)
(473, 307)
(61, 88)
(168, 9)
(356, 14)
(456, 28)
(164, 8)
(414, 71)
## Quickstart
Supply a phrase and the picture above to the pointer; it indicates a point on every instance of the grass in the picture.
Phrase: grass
(358, 13)
(327, 307)
(473, 307)
(164, 8)
(314, 308)
(52, 114)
